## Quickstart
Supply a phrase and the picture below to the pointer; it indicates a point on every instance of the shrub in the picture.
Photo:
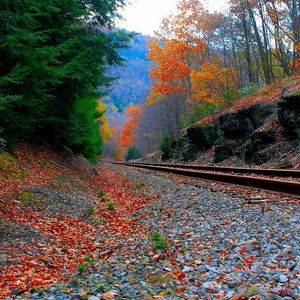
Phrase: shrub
(133, 153)
(197, 112)
(231, 96)
(166, 145)
(2, 141)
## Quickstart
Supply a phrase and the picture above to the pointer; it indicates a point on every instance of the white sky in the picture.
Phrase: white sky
(145, 15)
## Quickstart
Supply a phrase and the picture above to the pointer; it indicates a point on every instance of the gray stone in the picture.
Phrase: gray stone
(258, 141)
(93, 298)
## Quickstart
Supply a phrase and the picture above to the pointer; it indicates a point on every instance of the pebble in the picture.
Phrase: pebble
(93, 298)
(283, 278)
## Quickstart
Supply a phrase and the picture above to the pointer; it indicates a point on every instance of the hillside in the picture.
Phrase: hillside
(58, 213)
(259, 129)
(133, 83)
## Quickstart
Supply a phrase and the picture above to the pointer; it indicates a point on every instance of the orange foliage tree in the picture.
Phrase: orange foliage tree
(128, 132)
(184, 62)
(171, 72)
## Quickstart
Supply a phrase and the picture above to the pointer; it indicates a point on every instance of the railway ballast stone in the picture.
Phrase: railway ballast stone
(218, 248)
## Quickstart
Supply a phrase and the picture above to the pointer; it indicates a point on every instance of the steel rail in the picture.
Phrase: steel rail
(268, 172)
(279, 186)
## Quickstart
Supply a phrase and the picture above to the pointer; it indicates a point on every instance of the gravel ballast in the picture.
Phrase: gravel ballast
(193, 243)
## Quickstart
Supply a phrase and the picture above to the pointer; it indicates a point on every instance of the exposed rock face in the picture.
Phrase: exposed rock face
(235, 125)
(252, 150)
(242, 133)
(224, 149)
(203, 137)
(289, 115)
(262, 156)
(240, 136)
(183, 150)
(260, 113)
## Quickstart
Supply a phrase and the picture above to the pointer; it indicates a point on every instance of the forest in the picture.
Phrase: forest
(205, 61)
(54, 60)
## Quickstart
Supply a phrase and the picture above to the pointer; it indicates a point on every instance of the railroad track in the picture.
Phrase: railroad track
(267, 172)
(291, 188)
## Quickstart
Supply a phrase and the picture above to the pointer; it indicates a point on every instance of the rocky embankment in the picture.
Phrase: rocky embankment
(252, 134)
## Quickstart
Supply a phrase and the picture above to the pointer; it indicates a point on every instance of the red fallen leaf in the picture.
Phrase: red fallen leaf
(109, 295)
(249, 259)
(243, 250)
(156, 257)
(179, 289)
(133, 282)
(225, 223)
(179, 276)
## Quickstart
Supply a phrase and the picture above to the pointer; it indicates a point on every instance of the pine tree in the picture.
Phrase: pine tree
(53, 58)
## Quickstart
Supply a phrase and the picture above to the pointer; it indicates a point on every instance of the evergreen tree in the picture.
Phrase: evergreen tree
(132, 153)
(53, 59)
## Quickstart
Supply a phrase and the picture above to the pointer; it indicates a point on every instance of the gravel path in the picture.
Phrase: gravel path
(193, 243)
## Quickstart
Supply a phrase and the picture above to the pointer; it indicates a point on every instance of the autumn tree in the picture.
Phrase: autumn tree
(159, 119)
(171, 71)
(128, 133)
(105, 129)
(210, 83)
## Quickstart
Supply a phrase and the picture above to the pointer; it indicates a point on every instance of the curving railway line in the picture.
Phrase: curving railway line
(235, 176)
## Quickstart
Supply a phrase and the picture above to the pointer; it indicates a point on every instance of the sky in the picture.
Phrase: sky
(145, 15)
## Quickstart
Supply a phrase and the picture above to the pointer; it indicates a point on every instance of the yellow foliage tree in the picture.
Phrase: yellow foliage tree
(211, 82)
(105, 129)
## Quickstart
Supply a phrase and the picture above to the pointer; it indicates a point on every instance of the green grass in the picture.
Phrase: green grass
(101, 194)
(89, 211)
(159, 241)
(111, 206)
(7, 156)
(26, 196)
(183, 249)
(47, 164)
(81, 269)
(139, 185)
(90, 260)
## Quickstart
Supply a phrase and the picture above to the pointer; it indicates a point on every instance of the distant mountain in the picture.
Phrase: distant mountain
(133, 84)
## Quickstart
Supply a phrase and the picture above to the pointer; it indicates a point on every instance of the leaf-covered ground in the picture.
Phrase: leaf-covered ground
(51, 217)
(120, 233)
